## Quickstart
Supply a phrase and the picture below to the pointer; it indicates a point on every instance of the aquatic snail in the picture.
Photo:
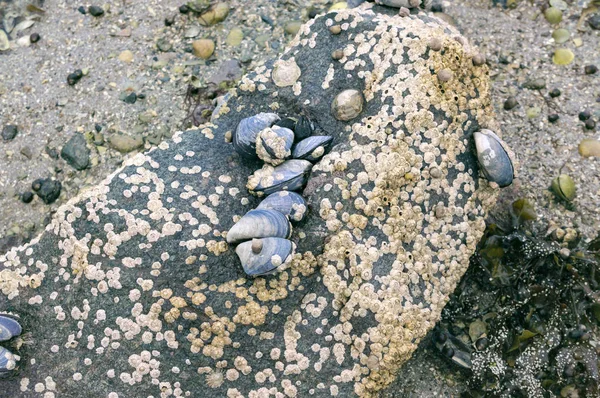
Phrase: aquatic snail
(274, 144)
(494, 159)
(9, 328)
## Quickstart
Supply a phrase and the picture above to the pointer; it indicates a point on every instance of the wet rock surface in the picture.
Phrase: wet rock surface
(133, 290)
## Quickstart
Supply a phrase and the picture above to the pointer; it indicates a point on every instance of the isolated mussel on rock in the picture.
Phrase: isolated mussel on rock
(291, 175)
(9, 328)
(287, 203)
(312, 148)
(8, 361)
(244, 138)
(494, 160)
(262, 256)
(260, 223)
(274, 144)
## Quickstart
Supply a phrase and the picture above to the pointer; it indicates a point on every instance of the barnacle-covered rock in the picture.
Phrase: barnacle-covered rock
(133, 290)
(494, 159)
(9, 328)
(264, 256)
(291, 175)
(260, 223)
(274, 144)
(288, 203)
(312, 148)
(244, 139)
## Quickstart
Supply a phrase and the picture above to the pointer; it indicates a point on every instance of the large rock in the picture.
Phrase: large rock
(132, 290)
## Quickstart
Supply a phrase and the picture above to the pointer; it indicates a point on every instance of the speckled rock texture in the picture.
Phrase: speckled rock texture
(132, 291)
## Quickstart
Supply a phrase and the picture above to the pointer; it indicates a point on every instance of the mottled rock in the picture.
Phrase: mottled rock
(9, 132)
(133, 291)
(76, 152)
(125, 143)
(96, 11)
(203, 48)
(48, 191)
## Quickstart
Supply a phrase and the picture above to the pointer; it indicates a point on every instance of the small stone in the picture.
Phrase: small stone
(130, 98)
(589, 147)
(164, 44)
(221, 11)
(191, 32)
(262, 40)
(126, 56)
(9, 132)
(578, 42)
(337, 54)
(561, 35)
(76, 153)
(125, 143)
(235, 37)
(594, 21)
(347, 105)
(4, 42)
(435, 44)
(510, 103)
(49, 190)
(292, 27)
(563, 56)
(37, 184)
(553, 118)
(27, 197)
(584, 115)
(535, 84)
(590, 124)
(34, 37)
(285, 73)
(141, 96)
(74, 77)
(184, 9)
(437, 7)
(82, 10)
(533, 112)
(27, 152)
(335, 29)
(98, 127)
(445, 75)
(553, 15)
(590, 69)
(169, 21)
(554, 93)
(404, 12)
(96, 11)
(478, 59)
(203, 48)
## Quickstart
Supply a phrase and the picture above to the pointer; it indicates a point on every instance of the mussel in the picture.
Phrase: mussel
(9, 328)
(260, 223)
(287, 203)
(264, 256)
(274, 144)
(8, 361)
(312, 148)
(288, 123)
(244, 139)
(291, 175)
(303, 129)
(494, 160)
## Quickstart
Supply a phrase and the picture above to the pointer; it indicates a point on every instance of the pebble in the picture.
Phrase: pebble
(191, 32)
(478, 60)
(554, 93)
(27, 197)
(337, 54)
(96, 11)
(184, 9)
(292, 27)
(9, 132)
(125, 143)
(82, 10)
(229, 71)
(590, 124)
(235, 37)
(37, 184)
(126, 56)
(262, 40)
(445, 75)
(584, 115)
(535, 84)
(510, 103)
(76, 153)
(98, 127)
(130, 98)
(335, 29)
(590, 69)
(164, 44)
(553, 118)
(74, 77)
(49, 190)
(563, 56)
(34, 37)
(27, 152)
(553, 15)
(435, 44)
(594, 21)
(589, 147)
(203, 48)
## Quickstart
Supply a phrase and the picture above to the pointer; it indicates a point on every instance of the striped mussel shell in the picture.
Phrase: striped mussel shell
(263, 256)
(494, 160)
(8, 361)
(291, 175)
(9, 327)
(274, 144)
(260, 223)
(244, 139)
(287, 203)
(312, 148)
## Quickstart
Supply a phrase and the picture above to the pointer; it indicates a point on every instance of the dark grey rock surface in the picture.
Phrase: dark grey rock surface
(132, 290)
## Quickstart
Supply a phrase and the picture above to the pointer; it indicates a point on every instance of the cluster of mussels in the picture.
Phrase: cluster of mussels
(289, 150)
(9, 328)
